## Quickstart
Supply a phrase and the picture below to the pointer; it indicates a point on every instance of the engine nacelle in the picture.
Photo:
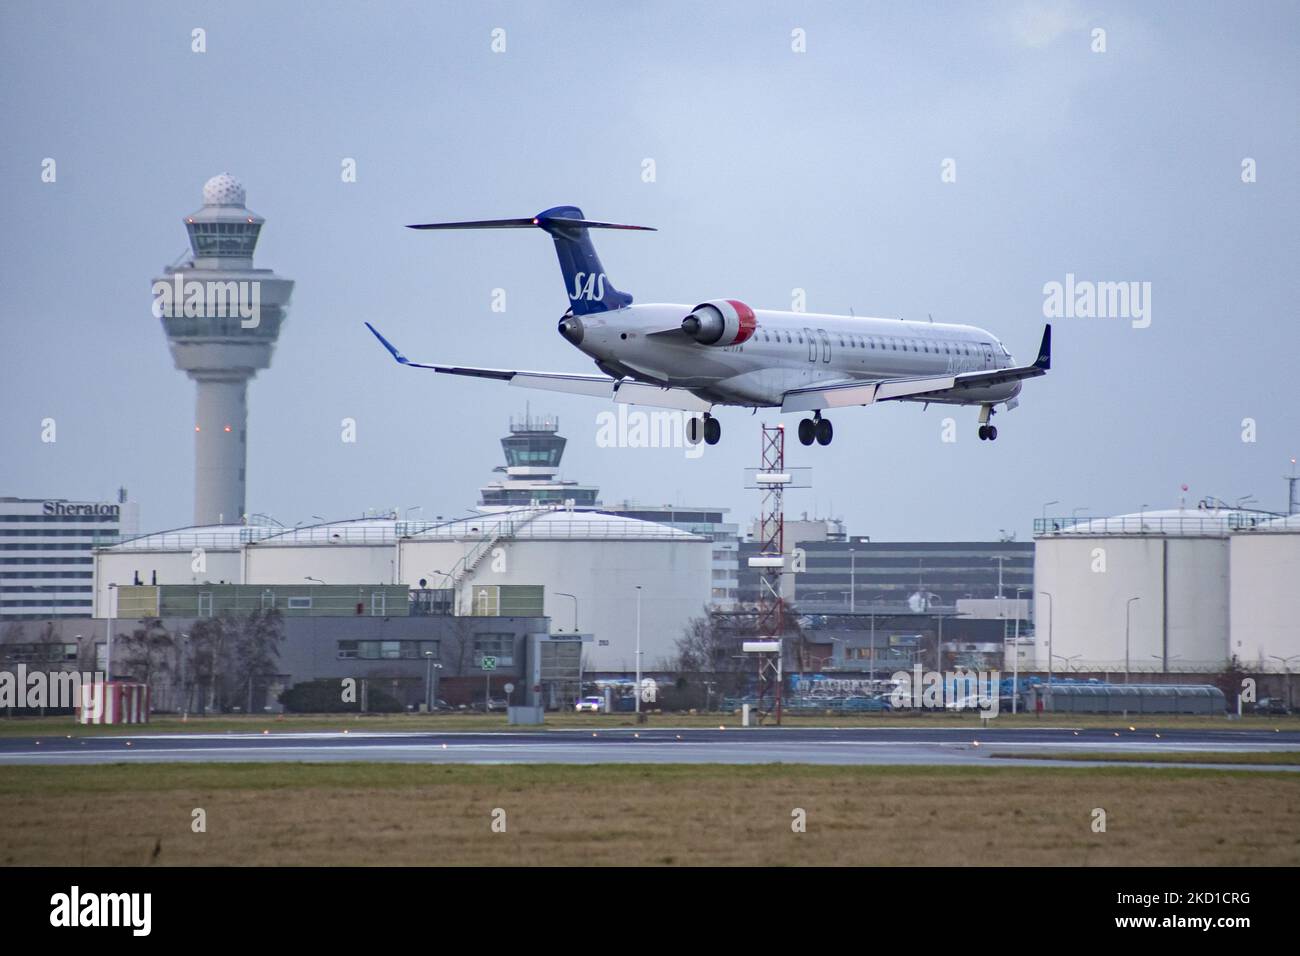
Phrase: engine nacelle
(720, 322)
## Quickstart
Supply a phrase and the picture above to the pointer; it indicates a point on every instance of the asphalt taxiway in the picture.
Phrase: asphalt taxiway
(732, 745)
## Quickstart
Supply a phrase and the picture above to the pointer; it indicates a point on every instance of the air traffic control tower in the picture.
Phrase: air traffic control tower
(222, 318)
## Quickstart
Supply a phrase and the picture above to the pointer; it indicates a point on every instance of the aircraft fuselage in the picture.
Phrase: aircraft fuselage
(788, 350)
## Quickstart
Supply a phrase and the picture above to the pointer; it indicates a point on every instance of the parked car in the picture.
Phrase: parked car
(592, 705)
(1273, 706)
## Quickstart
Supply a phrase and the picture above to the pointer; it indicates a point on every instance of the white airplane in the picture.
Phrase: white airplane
(722, 352)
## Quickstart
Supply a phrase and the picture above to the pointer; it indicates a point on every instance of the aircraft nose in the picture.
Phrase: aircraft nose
(571, 328)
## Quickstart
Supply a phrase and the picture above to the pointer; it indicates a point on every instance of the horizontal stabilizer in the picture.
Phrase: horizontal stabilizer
(539, 222)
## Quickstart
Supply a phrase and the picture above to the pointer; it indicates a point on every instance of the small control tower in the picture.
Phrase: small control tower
(222, 318)
(533, 451)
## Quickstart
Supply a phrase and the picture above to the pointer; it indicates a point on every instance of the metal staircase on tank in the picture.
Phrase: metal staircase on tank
(504, 531)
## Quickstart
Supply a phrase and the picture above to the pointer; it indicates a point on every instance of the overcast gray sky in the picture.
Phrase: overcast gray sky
(775, 170)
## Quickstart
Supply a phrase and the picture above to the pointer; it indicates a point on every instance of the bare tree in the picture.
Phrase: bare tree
(456, 648)
(256, 648)
(14, 633)
(706, 646)
(229, 652)
(150, 655)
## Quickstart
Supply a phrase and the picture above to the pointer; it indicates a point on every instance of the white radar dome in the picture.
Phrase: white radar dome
(223, 190)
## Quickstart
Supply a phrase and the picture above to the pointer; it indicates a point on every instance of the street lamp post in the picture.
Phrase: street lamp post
(873, 648)
(1045, 504)
(575, 607)
(185, 697)
(853, 580)
(108, 640)
(1049, 646)
(1128, 616)
(428, 680)
(1015, 658)
(575, 631)
(317, 580)
(638, 649)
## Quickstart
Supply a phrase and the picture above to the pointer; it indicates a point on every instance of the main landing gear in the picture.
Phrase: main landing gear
(987, 432)
(707, 428)
(816, 429)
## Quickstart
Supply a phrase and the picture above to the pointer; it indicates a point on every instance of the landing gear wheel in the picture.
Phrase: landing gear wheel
(807, 431)
(824, 431)
(712, 430)
(984, 432)
(993, 432)
(694, 430)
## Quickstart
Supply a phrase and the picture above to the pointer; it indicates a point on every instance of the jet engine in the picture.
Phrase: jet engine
(720, 322)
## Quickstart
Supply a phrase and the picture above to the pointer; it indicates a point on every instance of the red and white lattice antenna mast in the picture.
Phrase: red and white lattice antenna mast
(772, 478)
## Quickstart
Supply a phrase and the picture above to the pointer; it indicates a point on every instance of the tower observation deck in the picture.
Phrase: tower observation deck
(222, 318)
(533, 450)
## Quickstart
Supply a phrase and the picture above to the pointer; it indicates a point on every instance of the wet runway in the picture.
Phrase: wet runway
(849, 746)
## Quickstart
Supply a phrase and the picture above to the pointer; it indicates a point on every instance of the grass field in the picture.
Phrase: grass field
(369, 814)
(63, 726)
(1276, 758)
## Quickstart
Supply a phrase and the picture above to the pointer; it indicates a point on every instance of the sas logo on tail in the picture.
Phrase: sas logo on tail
(589, 286)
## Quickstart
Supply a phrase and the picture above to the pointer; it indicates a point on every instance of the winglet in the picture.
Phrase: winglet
(388, 345)
(1044, 360)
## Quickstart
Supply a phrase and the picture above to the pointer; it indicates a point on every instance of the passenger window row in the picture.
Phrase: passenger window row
(883, 343)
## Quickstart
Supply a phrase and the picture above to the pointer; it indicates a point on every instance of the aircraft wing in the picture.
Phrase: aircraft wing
(624, 391)
(860, 392)
(868, 392)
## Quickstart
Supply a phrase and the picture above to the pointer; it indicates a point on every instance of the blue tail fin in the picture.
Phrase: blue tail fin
(585, 282)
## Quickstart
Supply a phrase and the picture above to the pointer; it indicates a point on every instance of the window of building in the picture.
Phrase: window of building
(49, 653)
(299, 604)
(500, 646)
(387, 650)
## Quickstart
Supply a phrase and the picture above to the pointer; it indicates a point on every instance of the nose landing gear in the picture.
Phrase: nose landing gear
(988, 431)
